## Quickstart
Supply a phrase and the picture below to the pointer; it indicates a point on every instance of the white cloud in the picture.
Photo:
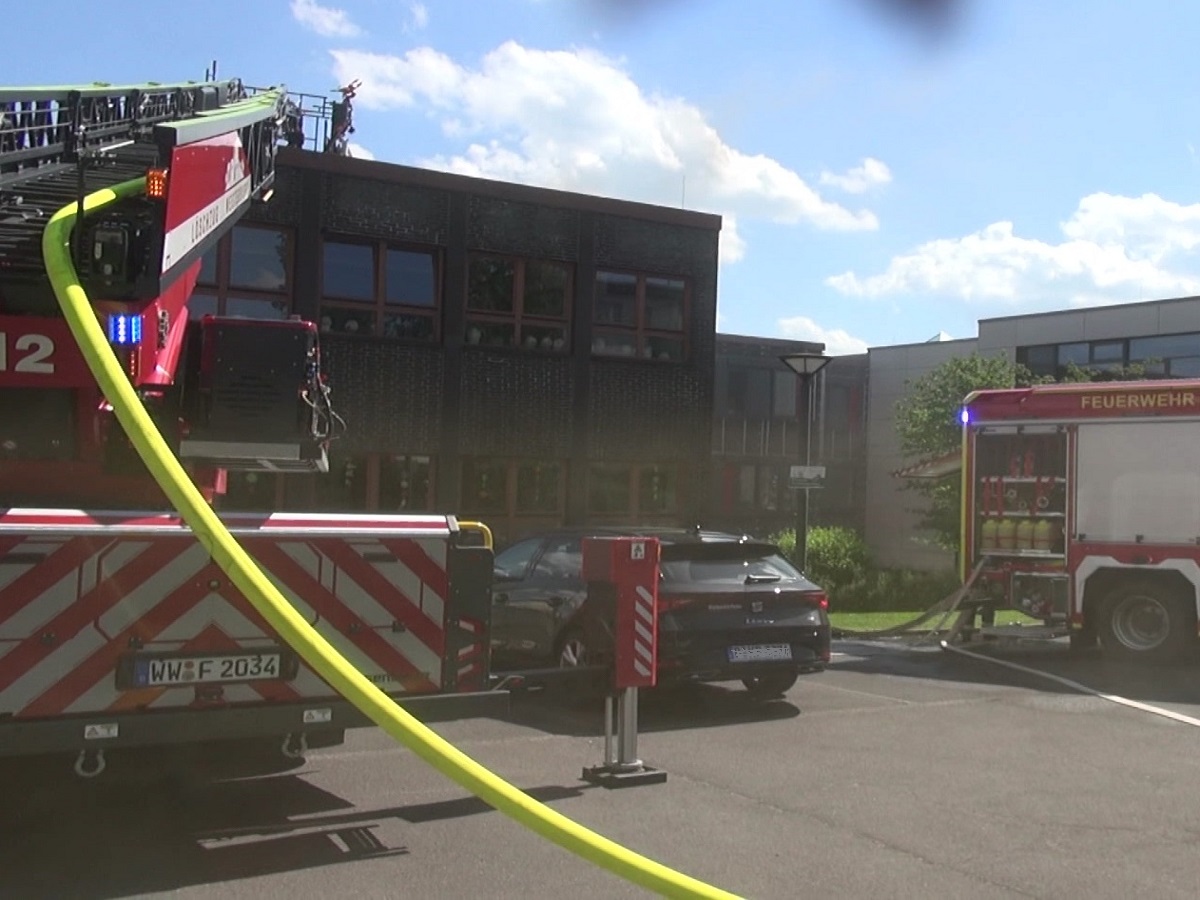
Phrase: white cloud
(860, 179)
(326, 21)
(358, 151)
(420, 16)
(1114, 248)
(837, 341)
(575, 120)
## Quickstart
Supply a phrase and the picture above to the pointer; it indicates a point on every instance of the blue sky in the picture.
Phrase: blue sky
(881, 180)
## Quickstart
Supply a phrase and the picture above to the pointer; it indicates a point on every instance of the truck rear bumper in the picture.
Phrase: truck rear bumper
(70, 734)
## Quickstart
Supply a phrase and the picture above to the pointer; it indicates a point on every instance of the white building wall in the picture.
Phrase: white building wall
(892, 532)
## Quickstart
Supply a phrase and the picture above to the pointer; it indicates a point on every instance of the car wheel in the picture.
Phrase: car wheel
(1145, 619)
(769, 687)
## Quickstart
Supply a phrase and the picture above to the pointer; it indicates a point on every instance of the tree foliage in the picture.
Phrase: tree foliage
(927, 417)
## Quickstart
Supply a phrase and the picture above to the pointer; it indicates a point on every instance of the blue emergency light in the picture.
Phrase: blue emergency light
(124, 330)
(965, 415)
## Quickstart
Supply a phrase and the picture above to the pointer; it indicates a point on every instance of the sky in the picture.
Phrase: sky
(882, 177)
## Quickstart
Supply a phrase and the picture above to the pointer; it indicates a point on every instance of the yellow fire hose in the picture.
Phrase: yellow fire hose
(291, 626)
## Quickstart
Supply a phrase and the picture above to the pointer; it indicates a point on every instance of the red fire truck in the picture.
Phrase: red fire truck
(116, 627)
(1081, 506)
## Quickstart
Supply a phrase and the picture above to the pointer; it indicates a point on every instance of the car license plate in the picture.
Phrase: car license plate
(165, 671)
(760, 653)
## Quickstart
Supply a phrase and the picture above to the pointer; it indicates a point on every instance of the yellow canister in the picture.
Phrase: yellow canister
(1024, 539)
(988, 534)
(1043, 534)
(1006, 534)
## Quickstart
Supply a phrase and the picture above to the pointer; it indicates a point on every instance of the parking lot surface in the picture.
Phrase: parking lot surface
(899, 772)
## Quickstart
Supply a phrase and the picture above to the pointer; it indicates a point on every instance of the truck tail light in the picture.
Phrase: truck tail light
(156, 184)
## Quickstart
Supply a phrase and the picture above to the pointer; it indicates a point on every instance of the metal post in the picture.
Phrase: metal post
(805, 365)
(627, 729)
(609, 758)
(805, 454)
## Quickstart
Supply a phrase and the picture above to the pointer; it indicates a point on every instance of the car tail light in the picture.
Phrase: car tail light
(822, 599)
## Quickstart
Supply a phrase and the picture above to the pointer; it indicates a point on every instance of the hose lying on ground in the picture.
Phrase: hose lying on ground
(944, 608)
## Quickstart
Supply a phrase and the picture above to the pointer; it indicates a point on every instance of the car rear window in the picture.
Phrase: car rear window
(725, 564)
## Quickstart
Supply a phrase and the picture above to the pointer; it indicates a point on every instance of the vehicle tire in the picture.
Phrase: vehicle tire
(1147, 620)
(770, 687)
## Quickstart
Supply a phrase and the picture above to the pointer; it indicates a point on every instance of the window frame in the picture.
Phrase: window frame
(378, 309)
(518, 318)
(642, 333)
(636, 472)
(222, 290)
(511, 506)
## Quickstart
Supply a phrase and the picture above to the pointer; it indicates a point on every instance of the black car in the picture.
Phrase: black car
(730, 608)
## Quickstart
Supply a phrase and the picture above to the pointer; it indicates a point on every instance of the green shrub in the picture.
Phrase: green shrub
(838, 562)
(837, 557)
(894, 590)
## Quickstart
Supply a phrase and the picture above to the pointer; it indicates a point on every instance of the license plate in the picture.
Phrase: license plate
(165, 671)
(760, 653)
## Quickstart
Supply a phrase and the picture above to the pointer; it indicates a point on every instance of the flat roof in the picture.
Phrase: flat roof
(780, 343)
(1088, 309)
(448, 181)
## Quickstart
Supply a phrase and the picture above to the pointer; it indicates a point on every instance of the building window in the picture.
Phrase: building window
(485, 485)
(258, 259)
(639, 316)
(539, 487)
(518, 303)
(513, 487)
(373, 288)
(1168, 355)
(344, 487)
(247, 273)
(629, 490)
(1041, 360)
(405, 483)
(656, 489)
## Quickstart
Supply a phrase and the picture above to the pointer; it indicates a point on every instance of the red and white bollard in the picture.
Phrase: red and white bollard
(622, 576)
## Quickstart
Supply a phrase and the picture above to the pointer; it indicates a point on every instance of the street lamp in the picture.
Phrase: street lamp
(805, 365)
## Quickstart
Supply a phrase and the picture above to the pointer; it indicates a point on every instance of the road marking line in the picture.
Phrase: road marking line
(1082, 688)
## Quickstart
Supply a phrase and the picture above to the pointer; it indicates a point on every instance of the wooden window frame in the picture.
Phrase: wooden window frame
(221, 289)
(636, 506)
(639, 330)
(518, 318)
(512, 467)
(378, 308)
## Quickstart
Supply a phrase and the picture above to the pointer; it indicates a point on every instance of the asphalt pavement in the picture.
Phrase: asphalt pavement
(899, 773)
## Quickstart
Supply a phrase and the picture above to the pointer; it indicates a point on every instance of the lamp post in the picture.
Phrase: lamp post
(806, 366)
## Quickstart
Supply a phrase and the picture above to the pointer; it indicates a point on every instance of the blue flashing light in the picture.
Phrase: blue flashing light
(965, 415)
(124, 330)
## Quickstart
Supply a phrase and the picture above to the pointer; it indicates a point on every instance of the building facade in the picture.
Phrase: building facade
(758, 434)
(523, 356)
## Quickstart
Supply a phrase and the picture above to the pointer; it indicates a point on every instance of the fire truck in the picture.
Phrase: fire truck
(117, 630)
(1081, 508)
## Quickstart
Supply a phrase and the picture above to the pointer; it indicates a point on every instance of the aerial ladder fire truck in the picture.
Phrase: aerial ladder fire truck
(117, 630)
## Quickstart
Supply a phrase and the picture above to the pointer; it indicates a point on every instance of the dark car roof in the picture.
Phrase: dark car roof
(665, 535)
